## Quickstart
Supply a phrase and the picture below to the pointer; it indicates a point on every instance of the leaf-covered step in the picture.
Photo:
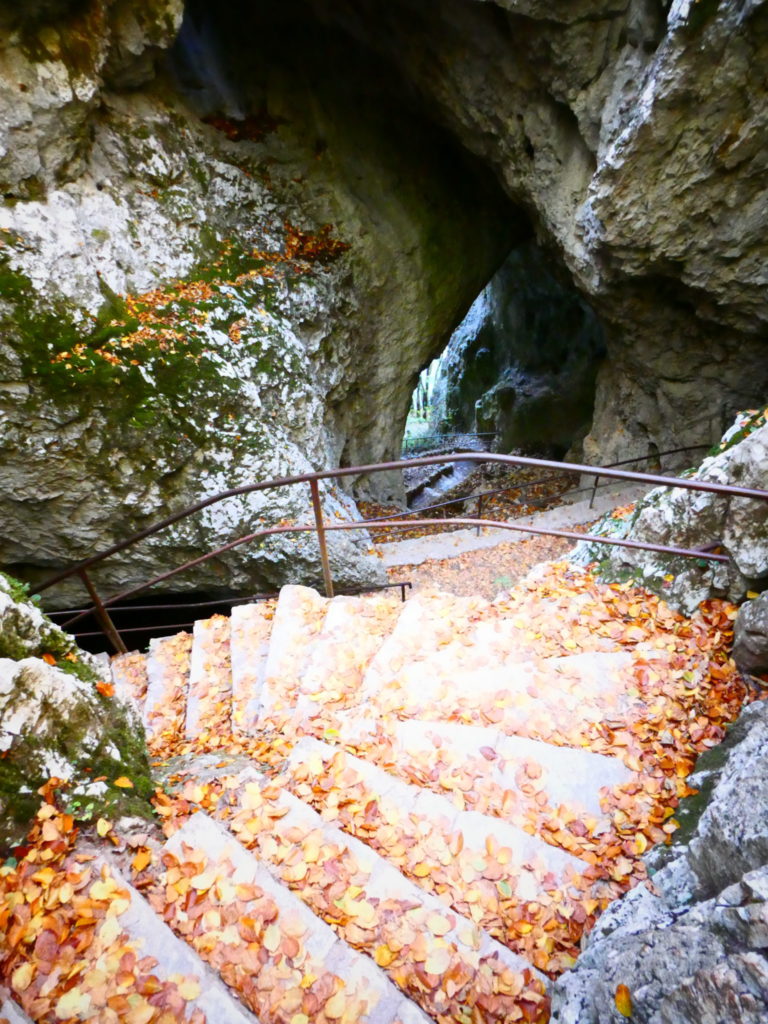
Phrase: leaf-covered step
(129, 675)
(209, 695)
(263, 940)
(483, 769)
(428, 621)
(176, 960)
(165, 706)
(547, 700)
(362, 797)
(250, 631)
(298, 620)
(438, 958)
(11, 1011)
(353, 631)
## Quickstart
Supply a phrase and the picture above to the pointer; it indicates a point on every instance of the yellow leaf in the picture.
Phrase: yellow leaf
(123, 782)
(141, 860)
(438, 924)
(189, 988)
(383, 956)
(75, 1004)
(623, 1001)
(21, 978)
(103, 826)
(272, 938)
(438, 960)
(335, 1006)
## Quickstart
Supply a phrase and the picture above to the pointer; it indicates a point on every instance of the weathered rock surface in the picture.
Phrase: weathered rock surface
(55, 723)
(629, 137)
(692, 950)
(177, 318)
(697, 520)
(634, 134)
(523, 362)
(750, 635)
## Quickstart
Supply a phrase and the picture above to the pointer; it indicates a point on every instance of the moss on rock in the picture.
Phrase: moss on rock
(56, 722)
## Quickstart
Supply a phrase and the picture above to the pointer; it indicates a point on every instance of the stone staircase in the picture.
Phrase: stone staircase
(409, 812)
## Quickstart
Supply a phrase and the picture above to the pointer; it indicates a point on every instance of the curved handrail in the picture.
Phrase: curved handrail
(524, 484)
(99, 607)
(690, 484)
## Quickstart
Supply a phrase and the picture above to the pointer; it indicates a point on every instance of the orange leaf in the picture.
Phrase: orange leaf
(105, 689)
(123, 782)
(49, 659)
(623, 1001)
(141, 860)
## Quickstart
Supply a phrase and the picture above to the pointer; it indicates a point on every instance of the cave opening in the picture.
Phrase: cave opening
(519, 372)
(516, 349)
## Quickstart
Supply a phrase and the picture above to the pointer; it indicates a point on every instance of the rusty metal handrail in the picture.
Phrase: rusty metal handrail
(320, 527)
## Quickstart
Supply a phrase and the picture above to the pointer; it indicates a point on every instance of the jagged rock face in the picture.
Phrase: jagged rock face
(691, 948)
(523, 362)
(698, 521)
(628, 136)
(634, 133)
(59, 720)
(178, 318)
(750, 635)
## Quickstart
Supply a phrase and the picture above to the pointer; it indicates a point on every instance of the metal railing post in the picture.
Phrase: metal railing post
(320, 525)
(594, 490)
(110, 630)
(479, 511)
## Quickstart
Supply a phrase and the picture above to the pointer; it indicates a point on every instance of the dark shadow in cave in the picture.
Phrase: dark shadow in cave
(524, 359)
(522, 365)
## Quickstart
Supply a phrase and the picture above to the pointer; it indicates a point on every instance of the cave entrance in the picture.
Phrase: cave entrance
(518, 373)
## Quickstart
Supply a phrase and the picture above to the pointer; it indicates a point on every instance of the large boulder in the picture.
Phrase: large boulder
(690, 947)
(750, 635)
(698, 520)
(59, 720)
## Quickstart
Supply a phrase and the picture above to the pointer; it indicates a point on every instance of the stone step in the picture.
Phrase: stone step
(209, 694)
(296, 945)
(129, 676)
(428, 620)
(298, 620)
(314, 766)
(175, 957)
(11, 1011)
(165, 706)
(545, 700)
(370, 903)
(353, 631)
(426, 752)
(250, 631)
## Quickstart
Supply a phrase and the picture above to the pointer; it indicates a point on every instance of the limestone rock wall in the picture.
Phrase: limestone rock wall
(633, 133)
(198, 293)
(690, 945)
(254, 224)
(59, 720)
(697, 520)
